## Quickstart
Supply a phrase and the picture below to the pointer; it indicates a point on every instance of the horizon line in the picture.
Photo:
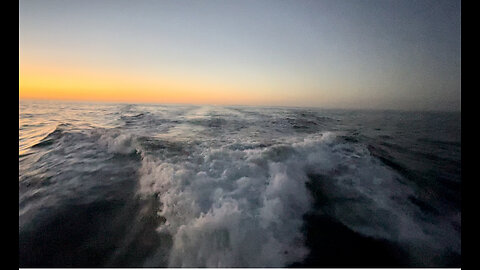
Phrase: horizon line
(233, 105)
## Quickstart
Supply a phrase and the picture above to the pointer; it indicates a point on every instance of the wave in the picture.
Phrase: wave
(243, 187)
(244, 206)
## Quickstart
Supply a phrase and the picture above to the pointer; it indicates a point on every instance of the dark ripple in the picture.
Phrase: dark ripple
(332, 244)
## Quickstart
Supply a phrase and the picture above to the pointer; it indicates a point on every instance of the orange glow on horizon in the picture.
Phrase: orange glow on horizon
(37, 81)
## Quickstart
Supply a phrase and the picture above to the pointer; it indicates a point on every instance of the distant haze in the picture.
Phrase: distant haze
(332, 54)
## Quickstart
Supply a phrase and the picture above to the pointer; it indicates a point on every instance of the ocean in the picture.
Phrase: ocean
(139, 185)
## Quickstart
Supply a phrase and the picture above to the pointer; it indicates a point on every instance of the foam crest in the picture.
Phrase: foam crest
(121, 143)
(229, 207)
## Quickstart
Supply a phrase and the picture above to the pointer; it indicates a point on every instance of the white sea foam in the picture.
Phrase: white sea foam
(228, 207)
(231, 207)
(122, 143)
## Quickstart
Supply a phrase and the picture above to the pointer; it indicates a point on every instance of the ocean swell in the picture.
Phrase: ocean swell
(201, 186)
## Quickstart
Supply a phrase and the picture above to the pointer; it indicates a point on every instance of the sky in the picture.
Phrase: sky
(360, 54)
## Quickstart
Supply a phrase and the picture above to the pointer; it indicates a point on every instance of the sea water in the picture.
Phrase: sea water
(139, 185)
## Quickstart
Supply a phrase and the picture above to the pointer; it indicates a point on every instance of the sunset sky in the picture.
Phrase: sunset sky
(333, 54)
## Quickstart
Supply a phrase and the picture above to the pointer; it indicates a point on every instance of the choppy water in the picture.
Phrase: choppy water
(204, 186)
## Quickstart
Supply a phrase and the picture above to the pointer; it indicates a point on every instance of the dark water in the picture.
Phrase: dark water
(119, 185)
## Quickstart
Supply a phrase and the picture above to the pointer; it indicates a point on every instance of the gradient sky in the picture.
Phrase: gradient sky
(332, 54)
